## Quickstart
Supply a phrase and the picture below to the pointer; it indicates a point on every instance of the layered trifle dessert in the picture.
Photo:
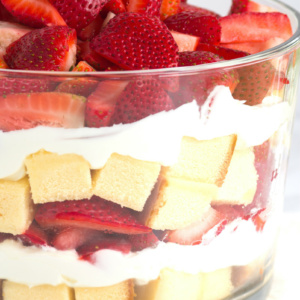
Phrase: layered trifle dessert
(145, 177)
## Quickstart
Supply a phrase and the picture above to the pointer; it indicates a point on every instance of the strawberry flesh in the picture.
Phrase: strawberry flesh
(28, 52)
(169, 8)
(120, 39)
(142, 241)
(206, 27)
(97, 214)
(148, 7)
(185, 42)
(34, 235)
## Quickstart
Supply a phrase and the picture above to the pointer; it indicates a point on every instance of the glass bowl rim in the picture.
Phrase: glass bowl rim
(288, 46)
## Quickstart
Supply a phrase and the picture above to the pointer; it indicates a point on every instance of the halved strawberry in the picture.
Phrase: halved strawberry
(142, 241)
(206, 27)
(80, 13)
(169, 8)
(97, 214)
(34, 235)
(141, 98)
(148, 7)
(10, 32)
(23, 111)
(70, 238)
(34, 13)
(185, 42)
(103, 242)
(121, 39)
(223, 52)
(193, 234)
(254, 27)
(188, 7)
(91, 30)
(28, 52)
(241, 6)
(115, 6)
(101, 103)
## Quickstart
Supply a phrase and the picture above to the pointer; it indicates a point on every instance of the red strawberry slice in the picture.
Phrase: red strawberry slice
(254, 27)
(80, 13)
(195, 23)
(141, 98)
(188, 7)
(120, 39)
(142, 241)
(103, 242)
(185, 42)
(169, 8)
(148, 7)
(28, 52)
(241, 6)
(223, 52)
(255, 81)
(34, 235)
(23, 111)
(83, 66)
(34, 13)
(95, 214)
(91, 30)
(115, 6)
(72, 237)
(17, 85)
(101, 103)
(193, 234)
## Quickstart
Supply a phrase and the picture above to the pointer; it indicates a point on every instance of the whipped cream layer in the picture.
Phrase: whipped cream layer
(156, 138)
(233, 247)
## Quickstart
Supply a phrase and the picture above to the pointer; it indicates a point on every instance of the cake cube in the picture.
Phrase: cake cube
(240, 183)
(204, 161)
(120, 291)
(171, 284)
(126, 181)
(16, 291)
(178, 203)
(56, 177)
(216, 285)
(16, 206)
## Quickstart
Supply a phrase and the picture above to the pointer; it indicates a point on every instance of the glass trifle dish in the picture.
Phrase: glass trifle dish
(143, 147)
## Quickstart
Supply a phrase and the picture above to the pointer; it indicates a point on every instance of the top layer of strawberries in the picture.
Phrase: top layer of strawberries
(118, 35)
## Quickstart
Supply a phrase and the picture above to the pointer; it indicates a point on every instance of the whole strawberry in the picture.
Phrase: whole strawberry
(47, 49)
(134, 41)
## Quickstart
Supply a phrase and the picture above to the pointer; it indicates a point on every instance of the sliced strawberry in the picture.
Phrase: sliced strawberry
(241, 6)
(142, 241)
(223, 52)
(34, 13)
(95, 214)
(16, 85)
(91, 57)
(115, 6)
(70, 238)
(34, 235)
(91, 30)
(255, 81)
(193, 234)
(185, 42)
(101, 104)
(254, 27)
(83, 66)
(80, 13)
(103, 242)
(199, 87)
(169, 8)
(121, 38)
(188, 7)
(141, 98)
(195, 23)
(28, 52)
(10, 32)
(148, 7)
(23, 111)
(5, 15)
(3, 65)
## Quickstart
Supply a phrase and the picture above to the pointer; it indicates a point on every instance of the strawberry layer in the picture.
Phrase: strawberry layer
(233, 247)
(155, 138)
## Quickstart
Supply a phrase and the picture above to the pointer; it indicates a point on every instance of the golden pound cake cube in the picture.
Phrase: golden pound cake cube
(204, 161)
(126, 181)
(16, 206)
(178, 203)
(240, 183)
(121, 291)
(171, 285)
(16, 291)
(56, 177)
